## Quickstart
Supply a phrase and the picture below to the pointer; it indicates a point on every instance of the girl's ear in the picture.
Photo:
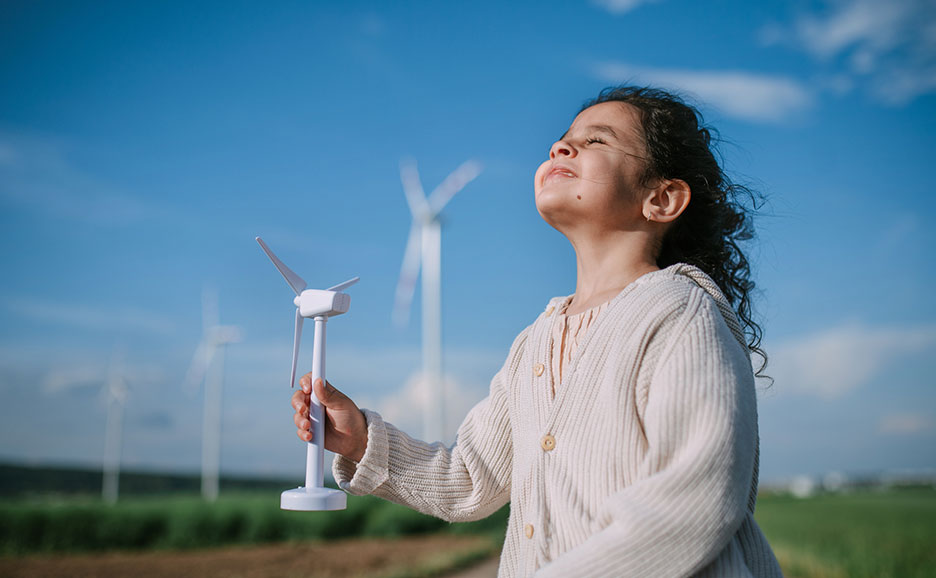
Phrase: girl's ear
(667, 201)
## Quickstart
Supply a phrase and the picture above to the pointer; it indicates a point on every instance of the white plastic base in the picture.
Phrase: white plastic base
(313, 499)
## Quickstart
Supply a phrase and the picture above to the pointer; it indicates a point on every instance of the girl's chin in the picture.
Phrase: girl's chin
(559, 211)
(553, 199)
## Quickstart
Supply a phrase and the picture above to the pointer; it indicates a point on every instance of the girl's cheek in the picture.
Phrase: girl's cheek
(538, 176)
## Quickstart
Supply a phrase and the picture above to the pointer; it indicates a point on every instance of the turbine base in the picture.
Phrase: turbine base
(313, 499)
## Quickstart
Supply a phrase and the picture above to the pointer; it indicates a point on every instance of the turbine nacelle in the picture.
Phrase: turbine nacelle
(322, 303)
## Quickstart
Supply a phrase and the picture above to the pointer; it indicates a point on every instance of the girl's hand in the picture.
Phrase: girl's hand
(345, 426)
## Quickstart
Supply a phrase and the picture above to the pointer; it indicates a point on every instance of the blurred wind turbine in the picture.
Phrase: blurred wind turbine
(115, 394)
(424, 251)
(208, 365)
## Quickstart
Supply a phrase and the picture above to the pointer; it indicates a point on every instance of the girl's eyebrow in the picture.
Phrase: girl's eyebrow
(595, 127)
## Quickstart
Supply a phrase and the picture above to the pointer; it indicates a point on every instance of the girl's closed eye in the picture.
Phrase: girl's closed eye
(594, 140)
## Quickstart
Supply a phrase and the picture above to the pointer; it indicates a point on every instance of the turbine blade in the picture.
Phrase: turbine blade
(228, 334)
(342, 286)
(298, 337)
(295, 281)
(200, 362)
(412, 188)
(409, 272)
(210, 317)
(452, 184)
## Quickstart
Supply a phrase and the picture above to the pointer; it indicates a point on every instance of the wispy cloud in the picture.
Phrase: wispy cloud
(36, 172)
(622, 6)
(889, 47)
(745, 95)
(90, 317)
(832, 363)
(407, 406)
(908, 423)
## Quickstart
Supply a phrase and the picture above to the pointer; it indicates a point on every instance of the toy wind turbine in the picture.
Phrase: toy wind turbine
(208, 365)
(319, 305)
(115, 392)
(424, 250)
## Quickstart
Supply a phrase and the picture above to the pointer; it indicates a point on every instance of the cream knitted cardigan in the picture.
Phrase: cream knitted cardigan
(644, 463)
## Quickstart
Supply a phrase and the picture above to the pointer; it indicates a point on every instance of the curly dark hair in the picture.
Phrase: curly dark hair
(708, 233)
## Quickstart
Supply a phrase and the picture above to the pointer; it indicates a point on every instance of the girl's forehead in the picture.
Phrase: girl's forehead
(614, 114)
(619, 119)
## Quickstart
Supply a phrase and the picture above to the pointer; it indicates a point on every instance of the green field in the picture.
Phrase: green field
(884, 534)
(184, 522)
(862, 534)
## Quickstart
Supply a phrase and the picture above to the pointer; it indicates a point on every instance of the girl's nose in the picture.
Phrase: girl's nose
(561, 148)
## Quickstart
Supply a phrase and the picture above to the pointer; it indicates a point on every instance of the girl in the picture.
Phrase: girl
(622, 428)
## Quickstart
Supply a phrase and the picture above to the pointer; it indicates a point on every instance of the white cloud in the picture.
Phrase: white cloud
(908, 423)
(74, 377)
(85, 375)
(832, 363)
(889, 47)
(870, 27)
(407, 407)
(748, 96)
(90, 317)
(622, 6)
(35, 172)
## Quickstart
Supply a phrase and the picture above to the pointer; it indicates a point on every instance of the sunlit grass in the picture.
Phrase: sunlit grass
(184, 522)
(877, 534)
(854, 535)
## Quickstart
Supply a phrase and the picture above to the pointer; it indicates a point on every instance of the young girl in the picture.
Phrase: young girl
(622, 428)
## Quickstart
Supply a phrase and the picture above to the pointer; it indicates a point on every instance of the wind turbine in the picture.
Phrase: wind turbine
(115, 394)
(319, 305)
(424, 250)
(208, 366)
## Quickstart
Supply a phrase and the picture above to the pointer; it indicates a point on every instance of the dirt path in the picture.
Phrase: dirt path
(340, 559)
(486, 569)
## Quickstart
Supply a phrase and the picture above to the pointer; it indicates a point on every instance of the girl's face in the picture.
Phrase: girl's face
(592, 177)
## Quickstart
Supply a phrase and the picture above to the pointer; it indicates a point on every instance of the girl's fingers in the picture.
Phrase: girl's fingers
(301, 421)
(300, 400)
(305, 382)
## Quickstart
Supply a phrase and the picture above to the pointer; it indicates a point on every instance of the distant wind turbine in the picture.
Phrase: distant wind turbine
(424, 251)
(208, 366)
(115, 394)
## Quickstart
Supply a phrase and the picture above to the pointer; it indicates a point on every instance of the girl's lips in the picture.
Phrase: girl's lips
(560, 171)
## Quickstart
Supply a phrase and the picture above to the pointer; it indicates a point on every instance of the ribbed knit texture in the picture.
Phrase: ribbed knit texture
(652, 465)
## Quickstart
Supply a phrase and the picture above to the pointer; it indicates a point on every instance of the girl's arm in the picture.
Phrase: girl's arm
(701, 428)
(467, 482)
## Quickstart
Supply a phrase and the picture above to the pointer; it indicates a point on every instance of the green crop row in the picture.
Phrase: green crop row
(881, 534)
(188, 522)
(854, 535)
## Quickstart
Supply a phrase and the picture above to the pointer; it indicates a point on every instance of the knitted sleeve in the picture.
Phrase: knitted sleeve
(468, 481)
(700, 423)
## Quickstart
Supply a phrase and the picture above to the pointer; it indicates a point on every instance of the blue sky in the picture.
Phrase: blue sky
(144, 145)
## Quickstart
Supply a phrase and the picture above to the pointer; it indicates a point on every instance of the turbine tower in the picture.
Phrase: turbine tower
(115, 394)
(424, 251)
(208, 365)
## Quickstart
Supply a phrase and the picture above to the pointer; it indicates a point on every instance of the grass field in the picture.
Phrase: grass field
(186, 522)
(881, 534)
(863, 534)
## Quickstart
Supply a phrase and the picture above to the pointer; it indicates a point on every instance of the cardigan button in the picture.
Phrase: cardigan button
(550, 310)
(528, 530)
(538, 369)
(548, 443)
